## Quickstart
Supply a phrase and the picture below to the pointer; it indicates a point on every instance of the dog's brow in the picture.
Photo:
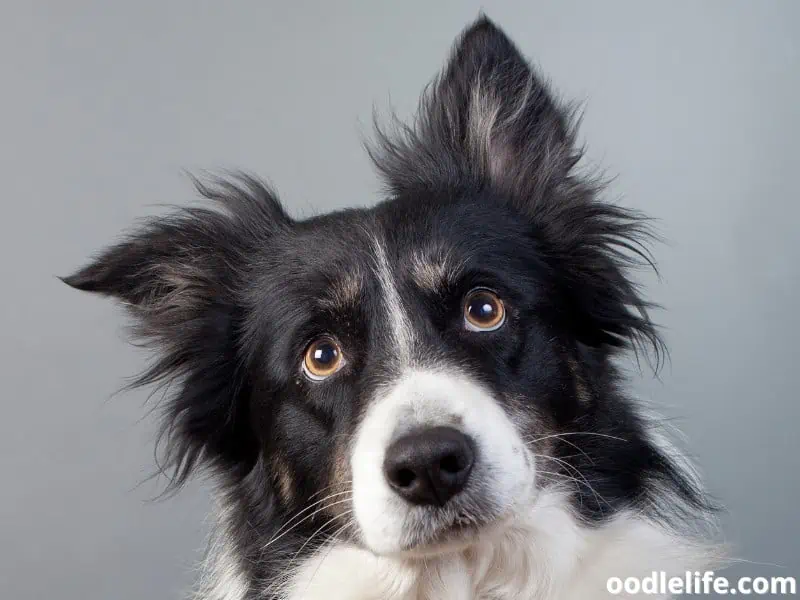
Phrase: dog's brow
(432, 271)
(345, 291)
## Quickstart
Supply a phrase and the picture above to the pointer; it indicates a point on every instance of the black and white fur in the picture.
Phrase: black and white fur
(571, 483)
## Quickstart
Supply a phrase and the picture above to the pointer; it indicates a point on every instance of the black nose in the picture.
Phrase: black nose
(430, 466)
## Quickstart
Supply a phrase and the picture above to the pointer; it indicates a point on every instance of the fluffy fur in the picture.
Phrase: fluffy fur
(569, 485)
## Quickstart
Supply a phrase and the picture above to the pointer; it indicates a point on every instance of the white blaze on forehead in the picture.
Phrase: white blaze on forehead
(399, 323)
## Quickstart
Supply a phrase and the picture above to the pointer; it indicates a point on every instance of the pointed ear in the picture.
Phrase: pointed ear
(488, 118)
(489, 121)
(178, 276)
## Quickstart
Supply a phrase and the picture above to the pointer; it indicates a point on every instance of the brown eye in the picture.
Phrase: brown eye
(483, 311)
(322, 359)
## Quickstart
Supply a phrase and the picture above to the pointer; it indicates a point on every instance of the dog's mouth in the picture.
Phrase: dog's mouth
(472, 517)
(448, 540)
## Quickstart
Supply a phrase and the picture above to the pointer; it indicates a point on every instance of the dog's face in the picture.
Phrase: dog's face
(416, 364)
(402, 376)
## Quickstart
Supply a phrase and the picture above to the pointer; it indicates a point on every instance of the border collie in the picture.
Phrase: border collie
(419, 400)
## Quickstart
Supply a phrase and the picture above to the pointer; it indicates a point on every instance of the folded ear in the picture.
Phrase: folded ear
(488, 118)
(186, 259)
(178, 276)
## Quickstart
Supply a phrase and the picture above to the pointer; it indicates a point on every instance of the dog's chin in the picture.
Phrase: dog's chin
(453, 536)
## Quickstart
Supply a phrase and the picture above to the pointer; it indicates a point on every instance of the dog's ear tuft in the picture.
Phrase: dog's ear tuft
(487, 119)
(178, 276)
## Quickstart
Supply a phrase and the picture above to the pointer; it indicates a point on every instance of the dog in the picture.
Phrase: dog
(419, 400)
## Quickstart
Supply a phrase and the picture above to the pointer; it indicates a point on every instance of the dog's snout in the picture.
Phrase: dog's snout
(430, 466)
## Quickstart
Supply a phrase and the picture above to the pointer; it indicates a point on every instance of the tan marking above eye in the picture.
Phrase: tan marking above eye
(322, 358)
(483, 311)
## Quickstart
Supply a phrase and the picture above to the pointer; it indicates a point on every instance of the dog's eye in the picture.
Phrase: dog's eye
(322, 359)
(483, 311)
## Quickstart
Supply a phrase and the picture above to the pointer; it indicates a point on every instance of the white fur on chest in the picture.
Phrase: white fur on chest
(547, 557)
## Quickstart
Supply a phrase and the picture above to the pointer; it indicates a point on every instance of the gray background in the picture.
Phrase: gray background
(694, 104)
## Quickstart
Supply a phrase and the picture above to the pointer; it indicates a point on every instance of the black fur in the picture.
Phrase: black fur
(229, 296)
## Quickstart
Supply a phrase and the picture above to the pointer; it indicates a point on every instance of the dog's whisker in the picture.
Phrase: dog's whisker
(338, 484)
(584, 433)
(565, 464)
(284, 531)
(578, 482)
(312, 505)
(313, 535)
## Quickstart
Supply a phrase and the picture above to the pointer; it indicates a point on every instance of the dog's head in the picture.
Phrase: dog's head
(407, 375)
